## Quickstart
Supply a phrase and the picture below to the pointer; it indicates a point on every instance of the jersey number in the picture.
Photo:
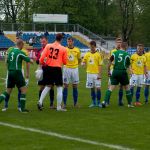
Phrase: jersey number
(12, 56)
(120, 57)
(54, 53)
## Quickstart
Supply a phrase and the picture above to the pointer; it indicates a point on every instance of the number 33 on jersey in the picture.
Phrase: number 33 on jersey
(55, 55)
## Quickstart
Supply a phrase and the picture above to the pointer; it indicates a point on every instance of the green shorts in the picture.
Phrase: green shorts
(119, 76)
(15, 77)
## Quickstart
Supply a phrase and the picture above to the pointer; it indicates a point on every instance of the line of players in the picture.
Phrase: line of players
(140, 66)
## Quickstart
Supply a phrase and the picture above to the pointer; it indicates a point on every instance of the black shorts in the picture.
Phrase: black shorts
(42, 82)
(53, 76)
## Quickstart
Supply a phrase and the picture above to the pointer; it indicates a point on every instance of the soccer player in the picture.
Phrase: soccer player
(70, 71)
(147, 77)
(138, 69)
(93, 60)
(120, 94)
(25, 76)
(41, 83)
(121, 60)
(54, 56)
(15, 76)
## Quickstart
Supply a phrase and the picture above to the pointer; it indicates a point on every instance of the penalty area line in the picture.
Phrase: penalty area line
(65, 137)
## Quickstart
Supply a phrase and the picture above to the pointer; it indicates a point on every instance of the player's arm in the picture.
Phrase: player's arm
(64, 59)
(111, 59)
(100, 72)
(26, 58)
(79, 56)
(145, 68)
(43, 56)
(83, 63)
(100, 66)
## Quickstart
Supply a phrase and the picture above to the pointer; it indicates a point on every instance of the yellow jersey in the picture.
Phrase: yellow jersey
(147, 55)
(138, 63)
(111, 52)
(74, 55)
(93, 61)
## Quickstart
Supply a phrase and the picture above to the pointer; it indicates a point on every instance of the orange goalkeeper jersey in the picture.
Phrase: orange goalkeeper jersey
(54, 55)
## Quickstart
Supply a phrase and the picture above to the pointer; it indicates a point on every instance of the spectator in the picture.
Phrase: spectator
(46, 33)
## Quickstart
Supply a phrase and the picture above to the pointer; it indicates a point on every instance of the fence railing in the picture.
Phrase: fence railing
(51, 28)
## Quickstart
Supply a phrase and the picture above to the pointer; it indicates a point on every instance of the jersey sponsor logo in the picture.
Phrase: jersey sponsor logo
(91, 61)
(71, 57)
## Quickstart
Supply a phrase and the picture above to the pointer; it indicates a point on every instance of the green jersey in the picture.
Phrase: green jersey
(121, 60)
(15, 58)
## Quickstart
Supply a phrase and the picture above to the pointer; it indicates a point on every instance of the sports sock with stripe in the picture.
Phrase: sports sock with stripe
(59, 97)
(129, 97)
(138, 94)
(120, 96)
(43, 94)
(107, 96)
(146, 93)
(22, 101)
(93, 96)
(51, 95)
(4, 96)
(75, 95)
(65, 94)
(98, 96)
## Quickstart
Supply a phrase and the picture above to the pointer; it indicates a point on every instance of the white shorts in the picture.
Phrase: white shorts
(147, 80)
(92, 81)
(70, 75)
(137, 80)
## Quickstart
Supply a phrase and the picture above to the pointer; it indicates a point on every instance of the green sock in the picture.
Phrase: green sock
(3, 96)
(23, 101)
(107, 96)
(129, 97)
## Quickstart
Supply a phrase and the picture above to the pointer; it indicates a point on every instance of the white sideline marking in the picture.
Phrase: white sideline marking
(61, 136)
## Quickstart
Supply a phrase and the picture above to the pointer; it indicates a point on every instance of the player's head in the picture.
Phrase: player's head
(59, 37)
(140, 49)
(70, 42)
(93, 46)
(124, 46)
(118, 43)
(44, 41)
(20, 44)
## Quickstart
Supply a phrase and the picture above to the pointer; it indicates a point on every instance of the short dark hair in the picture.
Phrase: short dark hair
(124, 45)
(59, 37)
(118, 39)
(19, 42)
(93, 43)
(141, 45)
(70, 38)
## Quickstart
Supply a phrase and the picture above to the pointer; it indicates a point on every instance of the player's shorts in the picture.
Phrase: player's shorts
(147, 79)
(137, 80)
(92, 81)
(43, 81)
(53, 76)
(15, 77)
(119, 76)
(70, 75)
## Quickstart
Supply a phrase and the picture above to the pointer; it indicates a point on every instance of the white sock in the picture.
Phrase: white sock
(43, 94)
(59, 97)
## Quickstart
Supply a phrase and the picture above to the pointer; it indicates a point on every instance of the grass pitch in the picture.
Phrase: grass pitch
(128, 127)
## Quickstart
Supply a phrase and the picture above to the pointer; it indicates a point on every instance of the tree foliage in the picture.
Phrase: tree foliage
(126, 18)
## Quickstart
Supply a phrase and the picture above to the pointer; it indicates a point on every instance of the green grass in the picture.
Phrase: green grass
(113, 125)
